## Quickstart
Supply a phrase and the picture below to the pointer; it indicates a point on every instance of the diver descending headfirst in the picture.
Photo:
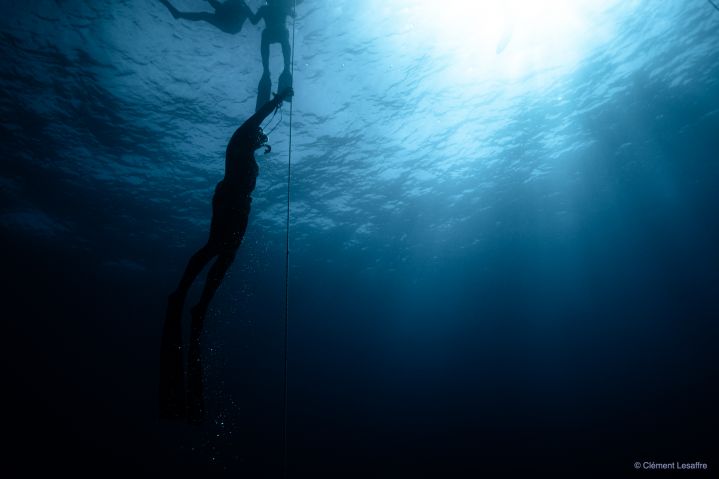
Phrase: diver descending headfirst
(230, 211)
(275, 15)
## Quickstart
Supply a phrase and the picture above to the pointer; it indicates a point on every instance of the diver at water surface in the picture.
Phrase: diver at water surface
(229, 16)
(274, 14)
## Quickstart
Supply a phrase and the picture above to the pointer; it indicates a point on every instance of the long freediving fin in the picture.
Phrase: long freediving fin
(172, 373)
(264, 89)
(284, 82)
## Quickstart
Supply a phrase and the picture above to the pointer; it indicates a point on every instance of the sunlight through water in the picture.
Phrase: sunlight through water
(505, 39)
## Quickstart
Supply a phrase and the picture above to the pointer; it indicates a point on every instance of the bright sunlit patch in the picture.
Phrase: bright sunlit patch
(512, 38)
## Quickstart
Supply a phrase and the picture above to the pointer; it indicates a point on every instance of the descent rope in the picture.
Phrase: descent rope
(287, 253)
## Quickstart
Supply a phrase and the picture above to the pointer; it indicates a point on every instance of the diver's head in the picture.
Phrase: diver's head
(259, 140)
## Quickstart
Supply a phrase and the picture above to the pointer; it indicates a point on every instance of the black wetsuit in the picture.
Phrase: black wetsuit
(230, 212)
(275, 16)
(232, 199)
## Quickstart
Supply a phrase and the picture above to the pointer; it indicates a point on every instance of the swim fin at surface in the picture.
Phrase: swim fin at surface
(284, 82)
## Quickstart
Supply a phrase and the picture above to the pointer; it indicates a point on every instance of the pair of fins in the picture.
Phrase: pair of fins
(264, 89)
(181, 396)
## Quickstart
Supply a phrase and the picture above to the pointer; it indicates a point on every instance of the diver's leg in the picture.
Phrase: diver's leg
(172, 9)
(199, 260)
(172, 388)
(214, 279)
(198, 17)
(196, 264)
(208, 17)
(265, 52)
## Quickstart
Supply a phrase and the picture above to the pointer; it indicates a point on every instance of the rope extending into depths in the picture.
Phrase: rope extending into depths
(287, 251)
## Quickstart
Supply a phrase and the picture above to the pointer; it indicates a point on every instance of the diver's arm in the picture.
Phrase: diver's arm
(256, 17)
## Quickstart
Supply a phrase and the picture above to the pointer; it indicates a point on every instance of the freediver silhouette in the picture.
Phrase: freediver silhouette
(230, 212)
(228, 16)
(274, 14)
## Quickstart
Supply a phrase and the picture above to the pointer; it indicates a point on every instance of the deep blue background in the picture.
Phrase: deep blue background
(549, 305)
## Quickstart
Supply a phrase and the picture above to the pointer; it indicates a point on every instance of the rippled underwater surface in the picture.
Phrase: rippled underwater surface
(487, 249)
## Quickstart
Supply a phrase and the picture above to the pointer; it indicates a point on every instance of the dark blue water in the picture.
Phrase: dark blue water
(501, 263)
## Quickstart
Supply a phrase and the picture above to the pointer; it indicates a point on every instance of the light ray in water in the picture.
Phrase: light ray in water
(530, 34)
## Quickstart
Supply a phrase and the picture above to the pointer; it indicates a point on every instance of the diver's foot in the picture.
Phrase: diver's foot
(175, 13)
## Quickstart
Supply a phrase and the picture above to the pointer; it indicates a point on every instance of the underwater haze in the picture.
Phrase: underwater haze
(502, 249)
